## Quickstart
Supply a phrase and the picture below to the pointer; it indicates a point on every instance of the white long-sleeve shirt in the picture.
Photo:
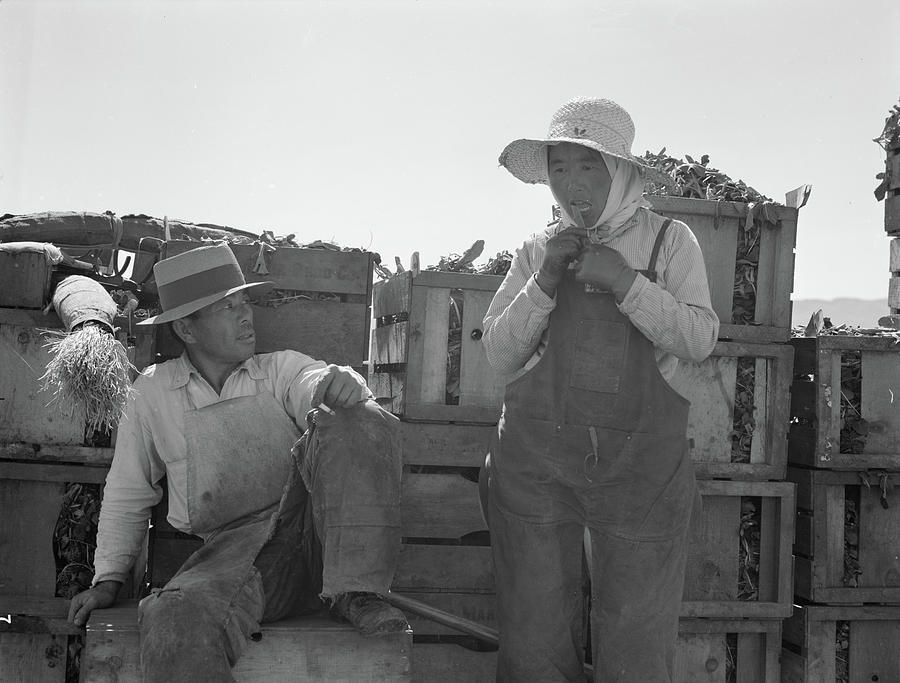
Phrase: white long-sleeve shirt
(150, 443)
(675, 312)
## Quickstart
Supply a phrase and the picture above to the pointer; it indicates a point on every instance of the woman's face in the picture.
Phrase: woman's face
(579, 180)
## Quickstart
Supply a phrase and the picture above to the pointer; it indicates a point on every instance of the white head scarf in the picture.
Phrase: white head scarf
(624, 199)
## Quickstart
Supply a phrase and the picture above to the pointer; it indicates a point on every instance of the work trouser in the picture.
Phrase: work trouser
(343, 536)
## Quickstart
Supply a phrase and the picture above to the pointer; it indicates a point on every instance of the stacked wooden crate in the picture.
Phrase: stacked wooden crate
(42, 453)
(738, 581)
(428, 365)
(844, 455)
(892, 220)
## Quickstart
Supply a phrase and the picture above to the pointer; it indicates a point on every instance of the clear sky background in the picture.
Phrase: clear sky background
(378, 124)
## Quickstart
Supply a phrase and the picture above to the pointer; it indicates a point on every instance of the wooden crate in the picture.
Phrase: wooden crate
(24, 280)
(819, 398)
(33, 644)
(834, 508)
(737, 650)
(815, 652)
(414, 315)
(27, 422)
(335, 329)
(892, 196)
(715, 386)
(313, 648)
(717, 226)
(713, 586)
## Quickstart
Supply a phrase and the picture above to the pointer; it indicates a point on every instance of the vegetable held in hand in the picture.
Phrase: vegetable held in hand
(606, 269)
(561, 250)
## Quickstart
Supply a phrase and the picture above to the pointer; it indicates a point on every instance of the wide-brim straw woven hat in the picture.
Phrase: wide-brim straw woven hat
(599, 124)
(196, 278)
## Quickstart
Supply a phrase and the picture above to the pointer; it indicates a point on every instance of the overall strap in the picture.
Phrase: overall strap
(651, 266)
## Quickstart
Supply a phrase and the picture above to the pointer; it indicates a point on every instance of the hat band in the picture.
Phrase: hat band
(199, 285)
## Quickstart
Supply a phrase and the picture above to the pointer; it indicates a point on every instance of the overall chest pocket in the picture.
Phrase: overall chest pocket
(599, 356)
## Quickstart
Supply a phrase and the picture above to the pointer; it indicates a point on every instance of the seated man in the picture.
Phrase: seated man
(280, 532)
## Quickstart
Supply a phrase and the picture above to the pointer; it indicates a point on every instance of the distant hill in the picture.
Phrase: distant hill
(860, 312)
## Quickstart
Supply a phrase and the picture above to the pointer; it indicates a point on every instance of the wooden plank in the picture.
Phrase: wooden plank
(440, 506)
(701, 657)
(53, 472)
(880, 407)
(431, 333)
(449, 663)
(710, 387)
(456, 445)
(829, 534)
(874, 651)
(33, 657)
(389, 390)
(895, 252)
(879, 541)
(326, 330)
(312, 648)
(391, 344)
(712, 568)
(452, 568)
(30, 511)
(479, 385)
(460, 414)
(61, 453)
(24, 415)
(30, 614)
(316, 270)
(450, 280)
(392, 297)
(24, 279)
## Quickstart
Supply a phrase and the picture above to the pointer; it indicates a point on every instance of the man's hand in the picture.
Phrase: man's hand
(100, 596)
(339, 388)
(561, 249)
(606, 268)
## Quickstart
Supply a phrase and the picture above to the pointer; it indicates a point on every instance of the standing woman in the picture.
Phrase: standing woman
(588, 326)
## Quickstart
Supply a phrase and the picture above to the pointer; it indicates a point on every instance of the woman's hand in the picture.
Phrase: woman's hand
(561, 249)
(605, 268)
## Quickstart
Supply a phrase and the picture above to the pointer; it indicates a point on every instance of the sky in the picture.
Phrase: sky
(378, 124)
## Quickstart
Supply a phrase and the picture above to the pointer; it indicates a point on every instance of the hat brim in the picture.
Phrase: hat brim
(196, 305)
(523, 159)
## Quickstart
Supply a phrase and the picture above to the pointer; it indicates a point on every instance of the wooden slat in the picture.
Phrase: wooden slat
(701, 652)
(444, 568)
(392, 297)
(30, 511)
(24, 279)
(874, 650)
(432, 328)
(450, 280)
(33, 657)
(445, 444)
(879, 542)
(316, 270)
(391, 344)
(712, 569)
(52, 472)
(880, 407)
(478, 383)
(306, 649)
(61, 453)
(440, 506)
(710, 387)
(30, 614)
(24, 415)
(446, 663)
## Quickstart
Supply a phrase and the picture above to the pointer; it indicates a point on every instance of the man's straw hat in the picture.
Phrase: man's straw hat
(193, 279)
(599, 124)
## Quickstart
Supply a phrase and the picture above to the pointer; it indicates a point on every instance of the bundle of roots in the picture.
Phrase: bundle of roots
(89, 372)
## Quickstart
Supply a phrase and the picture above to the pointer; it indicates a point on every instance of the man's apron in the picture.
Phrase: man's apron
(241, 483)
(592, 436)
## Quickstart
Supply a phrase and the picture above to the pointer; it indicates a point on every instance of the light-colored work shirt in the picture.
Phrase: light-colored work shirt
(150, 443)
(675, 312)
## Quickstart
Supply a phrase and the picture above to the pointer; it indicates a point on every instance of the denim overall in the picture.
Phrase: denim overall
(275, 528)
(591, 437)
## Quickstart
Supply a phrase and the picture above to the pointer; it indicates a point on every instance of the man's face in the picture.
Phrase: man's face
(222, 332)
(579, 180)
